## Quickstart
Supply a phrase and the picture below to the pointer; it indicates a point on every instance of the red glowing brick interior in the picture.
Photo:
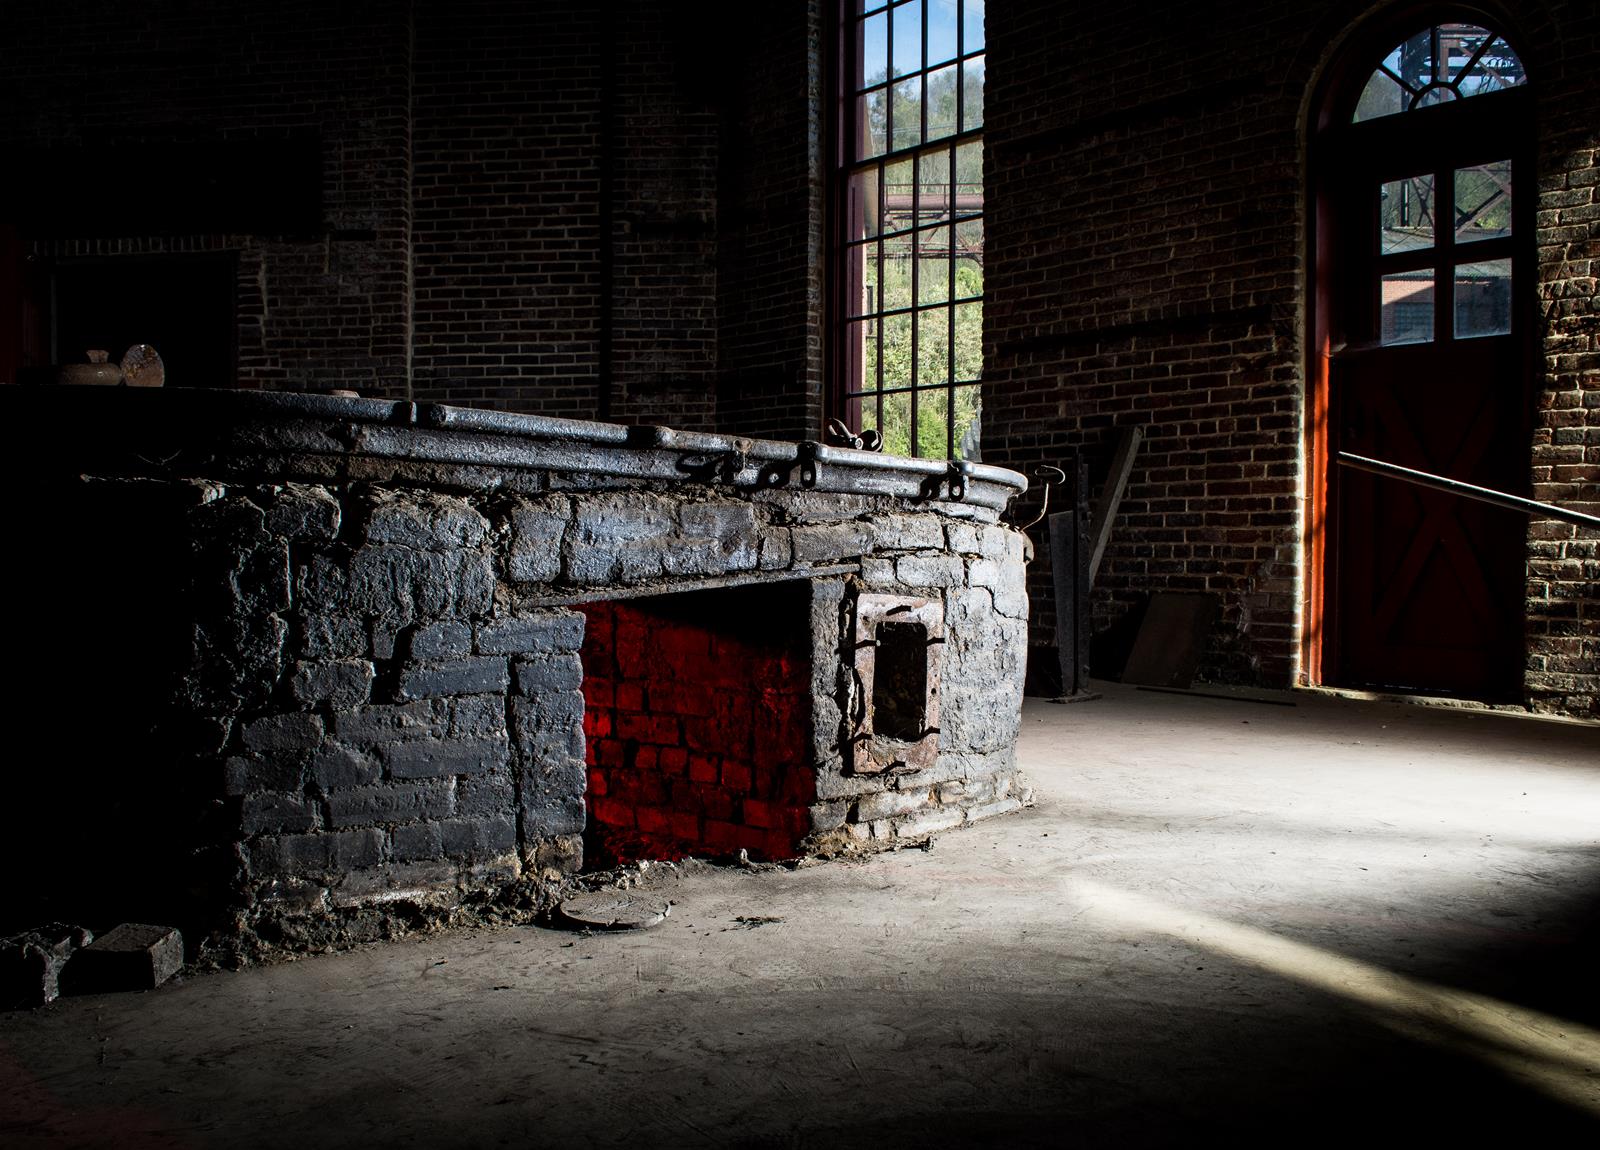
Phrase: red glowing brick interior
(698, 728)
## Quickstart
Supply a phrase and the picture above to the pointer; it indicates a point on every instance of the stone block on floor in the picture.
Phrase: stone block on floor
(133, 956)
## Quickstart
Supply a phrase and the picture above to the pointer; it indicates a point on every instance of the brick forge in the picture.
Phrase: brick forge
(698, 723)
(365, 688)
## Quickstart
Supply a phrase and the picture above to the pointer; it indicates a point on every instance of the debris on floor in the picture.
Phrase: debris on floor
(31, 963)
(614, 910)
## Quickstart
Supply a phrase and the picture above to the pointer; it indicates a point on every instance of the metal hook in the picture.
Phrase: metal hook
(1043, 472)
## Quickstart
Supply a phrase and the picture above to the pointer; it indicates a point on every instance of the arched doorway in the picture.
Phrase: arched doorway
(1421, 327)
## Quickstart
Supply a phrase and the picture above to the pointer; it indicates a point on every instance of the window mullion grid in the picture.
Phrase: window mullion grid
(961, 96)
(922, 76)
(916, 293)
(1444, 242)
(950, 292)
(879, 304)
(889, 77)
(914, 310)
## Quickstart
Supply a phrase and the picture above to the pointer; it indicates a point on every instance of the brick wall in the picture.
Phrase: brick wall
(771, 220)
(1144, 188)
(698, 717)
(507, 155)
(663, 280)
(1146, 253)
(1146, 185)
(511, 206)
(196, 86)
(1564, 563)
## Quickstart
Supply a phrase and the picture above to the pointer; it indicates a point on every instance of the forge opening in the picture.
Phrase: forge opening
(900, 687)
(697, 724)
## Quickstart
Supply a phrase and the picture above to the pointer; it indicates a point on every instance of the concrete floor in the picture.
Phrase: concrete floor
(1328, 923)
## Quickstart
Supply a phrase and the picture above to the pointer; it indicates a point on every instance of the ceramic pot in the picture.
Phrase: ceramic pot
(96, 371)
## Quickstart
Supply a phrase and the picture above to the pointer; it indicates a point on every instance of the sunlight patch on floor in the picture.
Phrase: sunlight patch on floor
(1555, 1056)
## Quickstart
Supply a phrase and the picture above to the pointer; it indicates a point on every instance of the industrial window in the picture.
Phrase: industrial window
(909, 291)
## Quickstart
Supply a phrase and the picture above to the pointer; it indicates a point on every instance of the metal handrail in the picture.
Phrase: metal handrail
(1468, 490)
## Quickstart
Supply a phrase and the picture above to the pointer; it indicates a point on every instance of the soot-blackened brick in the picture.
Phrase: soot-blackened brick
(390, 803)
(435, 758)
(478, 675)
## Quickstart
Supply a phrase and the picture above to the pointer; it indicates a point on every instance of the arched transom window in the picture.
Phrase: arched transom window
(1439, 64)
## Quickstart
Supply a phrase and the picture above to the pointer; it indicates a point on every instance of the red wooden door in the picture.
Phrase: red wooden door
(1429, 586)
(1428, 368)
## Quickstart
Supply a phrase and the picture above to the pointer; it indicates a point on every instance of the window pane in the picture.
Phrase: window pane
(862, 342)
(933, 346)
(968, 404)
(933, 265)
(898, 202)
(933, 173)
(896, 426)
(874, 49)
(933, 424)
(1407, 308)
(969, 259)
(941, 31)
(907, 113)
(972, 94)
(969, 178)
(972, 24)
(865, 210)
(1483, 202)
(869, 412)
(897, 351)
(1497, 68)
(872, 124)
(897, 256)
(908, 38)
(1457, 43)
(1381, 97)
(1483, 298)
(942, 102)
(1414, 60)
(933, 192)
(1405, 215)
(969, 341)
(863, 259)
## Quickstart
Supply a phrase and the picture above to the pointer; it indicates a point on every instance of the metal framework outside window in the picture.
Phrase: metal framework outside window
(909, 313)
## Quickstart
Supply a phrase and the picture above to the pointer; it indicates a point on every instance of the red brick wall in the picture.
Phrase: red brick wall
(1146, 264)
(698, 727)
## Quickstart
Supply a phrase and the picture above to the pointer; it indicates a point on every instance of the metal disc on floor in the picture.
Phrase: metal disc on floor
(615, 910)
